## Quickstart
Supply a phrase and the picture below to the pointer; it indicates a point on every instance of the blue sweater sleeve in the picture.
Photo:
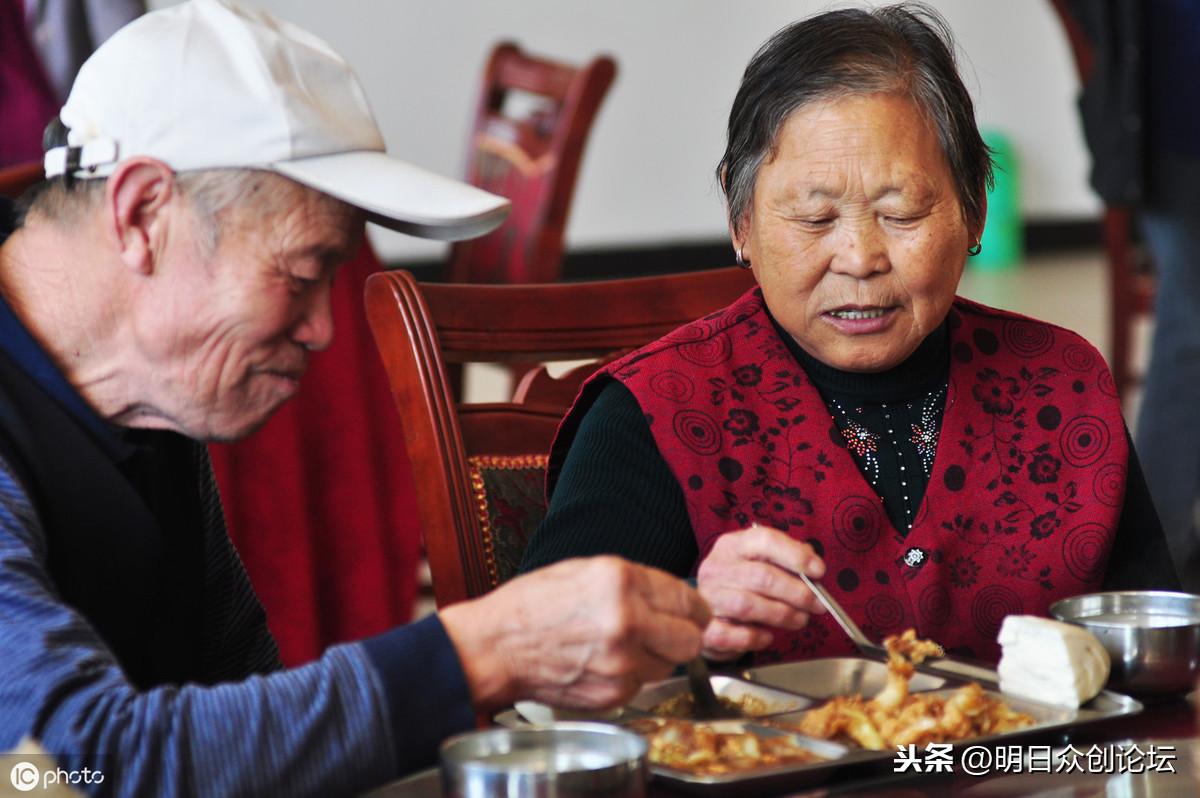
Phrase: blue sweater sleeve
(347, 722)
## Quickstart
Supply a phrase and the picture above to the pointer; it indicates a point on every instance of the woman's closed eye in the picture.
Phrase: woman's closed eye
(903, 220)
(815, 223)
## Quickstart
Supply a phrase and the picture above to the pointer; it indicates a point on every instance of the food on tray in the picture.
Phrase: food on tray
(904, 651)
(895, 718)
(680, 706)
(1051, 661)
(716, 749)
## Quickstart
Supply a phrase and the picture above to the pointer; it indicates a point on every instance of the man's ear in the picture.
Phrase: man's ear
(136, 199)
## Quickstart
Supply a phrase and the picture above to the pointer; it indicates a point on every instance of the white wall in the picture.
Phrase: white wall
(647, 171)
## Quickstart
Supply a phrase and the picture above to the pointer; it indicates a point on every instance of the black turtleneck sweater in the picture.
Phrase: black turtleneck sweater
(616, 494)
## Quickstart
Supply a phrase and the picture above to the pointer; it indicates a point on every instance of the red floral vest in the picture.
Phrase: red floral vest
(1022, 503)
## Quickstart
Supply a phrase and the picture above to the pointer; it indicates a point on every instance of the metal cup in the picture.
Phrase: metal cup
(562, 760)
(1152, 637)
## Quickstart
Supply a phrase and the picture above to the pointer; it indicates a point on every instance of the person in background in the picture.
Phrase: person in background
(165, 287)
(1140, 109)
(941, 464)
(66, 32)
(42, 44)
(27, 99)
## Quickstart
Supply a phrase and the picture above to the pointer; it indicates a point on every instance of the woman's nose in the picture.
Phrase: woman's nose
(861, 252)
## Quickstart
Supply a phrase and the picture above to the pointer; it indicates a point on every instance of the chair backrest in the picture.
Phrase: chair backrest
(15, 179)
(473, 543)
(530, 155)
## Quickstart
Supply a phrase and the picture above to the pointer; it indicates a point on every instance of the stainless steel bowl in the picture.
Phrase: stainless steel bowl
(1152, 636)
(562, 760)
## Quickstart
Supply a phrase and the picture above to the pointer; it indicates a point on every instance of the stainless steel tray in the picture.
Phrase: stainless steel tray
(808, 684)
(780, 777)
(820, 679)
(833, 676)
(824, 678)
(775, 701)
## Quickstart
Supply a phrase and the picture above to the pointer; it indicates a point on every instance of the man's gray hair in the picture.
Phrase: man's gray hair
(904, 49)
(210, 192)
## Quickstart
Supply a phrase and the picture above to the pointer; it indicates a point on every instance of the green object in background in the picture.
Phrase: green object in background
(1003, 235)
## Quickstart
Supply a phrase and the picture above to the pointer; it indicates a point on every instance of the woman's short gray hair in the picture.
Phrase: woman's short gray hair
(903, 49)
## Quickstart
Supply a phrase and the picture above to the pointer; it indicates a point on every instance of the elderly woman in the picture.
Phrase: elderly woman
(942, 464)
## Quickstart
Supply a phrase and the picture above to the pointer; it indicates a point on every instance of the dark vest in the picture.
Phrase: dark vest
(139, 587)
(1022, 503)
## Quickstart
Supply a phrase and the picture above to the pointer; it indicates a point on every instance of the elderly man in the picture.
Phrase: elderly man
(165, 288)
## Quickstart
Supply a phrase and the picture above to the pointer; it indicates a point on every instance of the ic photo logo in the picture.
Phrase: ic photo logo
(25, 776)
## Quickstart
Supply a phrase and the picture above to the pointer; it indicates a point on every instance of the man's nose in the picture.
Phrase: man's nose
(314, 329)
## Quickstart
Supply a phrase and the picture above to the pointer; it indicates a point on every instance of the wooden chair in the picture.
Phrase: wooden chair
(530, 156)
(1130, 273)
(15, 179)
(461, 453)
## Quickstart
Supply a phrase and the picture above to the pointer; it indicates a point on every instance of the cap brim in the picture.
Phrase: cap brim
(399, 195)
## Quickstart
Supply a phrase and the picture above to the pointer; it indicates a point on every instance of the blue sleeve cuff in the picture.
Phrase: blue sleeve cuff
(427, 694)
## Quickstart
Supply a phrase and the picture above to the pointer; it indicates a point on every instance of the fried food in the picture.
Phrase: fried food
(713, 750)
(896, 718)
(680, 706)
(904, 651)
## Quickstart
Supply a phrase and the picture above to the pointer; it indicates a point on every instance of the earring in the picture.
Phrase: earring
(741, 261)
(976, 249)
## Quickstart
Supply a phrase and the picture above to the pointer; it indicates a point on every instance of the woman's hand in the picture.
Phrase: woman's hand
(750, 581)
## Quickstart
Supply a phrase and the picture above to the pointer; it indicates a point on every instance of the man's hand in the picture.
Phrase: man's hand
(581, 634)
(749, 579)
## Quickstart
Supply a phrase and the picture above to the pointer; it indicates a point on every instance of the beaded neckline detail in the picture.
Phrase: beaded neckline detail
(867, 435)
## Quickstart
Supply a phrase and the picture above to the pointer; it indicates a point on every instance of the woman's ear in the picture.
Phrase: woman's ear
(738, 228)
(738, 236)
(976, 235)
(735, 238)
(136, 199)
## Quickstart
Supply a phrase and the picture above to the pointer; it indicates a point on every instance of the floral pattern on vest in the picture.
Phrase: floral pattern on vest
(1025, 493)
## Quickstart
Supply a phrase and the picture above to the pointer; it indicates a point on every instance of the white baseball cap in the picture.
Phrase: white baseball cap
(210, 85)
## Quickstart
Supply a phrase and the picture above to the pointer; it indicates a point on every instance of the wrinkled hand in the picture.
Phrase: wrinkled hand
(749, 579)
(581, 634)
